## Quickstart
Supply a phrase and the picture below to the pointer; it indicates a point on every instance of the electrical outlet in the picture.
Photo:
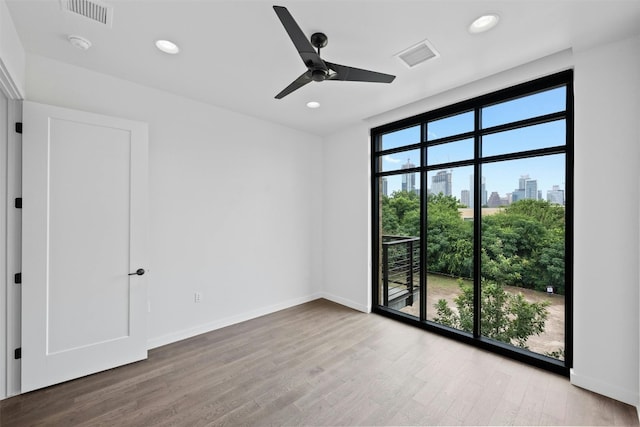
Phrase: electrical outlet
(197, 297)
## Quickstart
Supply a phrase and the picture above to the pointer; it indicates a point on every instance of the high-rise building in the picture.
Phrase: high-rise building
(522, 181)
(483, 195)
(483, 190)
(441, 183)
(555, 195)
(531, 189)
(409, 179)
(527, 189)
(517, 195)
(385, 187)
(465, 198)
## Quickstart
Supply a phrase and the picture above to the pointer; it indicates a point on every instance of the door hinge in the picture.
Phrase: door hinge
(18, 203)
(17, 353)
(18, 127)
(17, 278)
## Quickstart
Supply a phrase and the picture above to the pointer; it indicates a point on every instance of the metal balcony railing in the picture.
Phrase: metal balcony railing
(400, 270)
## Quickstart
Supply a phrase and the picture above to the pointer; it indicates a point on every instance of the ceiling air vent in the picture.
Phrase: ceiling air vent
(418, 53)
(91, 9)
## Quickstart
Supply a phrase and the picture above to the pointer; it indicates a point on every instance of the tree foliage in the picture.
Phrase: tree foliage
(523, 245)
(505, 316)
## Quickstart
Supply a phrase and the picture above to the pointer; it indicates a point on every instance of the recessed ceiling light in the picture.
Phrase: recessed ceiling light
(313, 104)
(167, 46)
(484, 23)
(79, 42)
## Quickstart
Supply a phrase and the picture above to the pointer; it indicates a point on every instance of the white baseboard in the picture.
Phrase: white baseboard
(346, 302)
(629, 397)
(228, 321)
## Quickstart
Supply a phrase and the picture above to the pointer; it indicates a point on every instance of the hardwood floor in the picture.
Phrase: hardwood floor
(317, 364)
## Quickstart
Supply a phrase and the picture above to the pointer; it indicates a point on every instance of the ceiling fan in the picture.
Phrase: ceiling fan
(318, 69)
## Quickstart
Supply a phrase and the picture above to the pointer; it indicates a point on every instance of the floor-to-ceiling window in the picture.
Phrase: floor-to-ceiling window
(472, 215)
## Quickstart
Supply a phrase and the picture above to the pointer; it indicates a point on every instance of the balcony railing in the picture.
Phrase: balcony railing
(400, 270)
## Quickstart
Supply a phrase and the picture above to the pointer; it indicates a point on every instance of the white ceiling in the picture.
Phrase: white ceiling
(236, 54)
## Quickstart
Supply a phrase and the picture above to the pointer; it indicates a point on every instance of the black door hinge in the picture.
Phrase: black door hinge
(17, 278)
(17, 354)
(18, 203)
(18, 127)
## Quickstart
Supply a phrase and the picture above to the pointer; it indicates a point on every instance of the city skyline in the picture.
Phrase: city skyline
(502, 178)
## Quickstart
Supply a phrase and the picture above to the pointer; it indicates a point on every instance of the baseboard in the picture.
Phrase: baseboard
(345, 302)
(228, 321)
(629, 397)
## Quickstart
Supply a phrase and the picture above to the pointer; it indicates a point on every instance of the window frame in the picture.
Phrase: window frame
(561, 79)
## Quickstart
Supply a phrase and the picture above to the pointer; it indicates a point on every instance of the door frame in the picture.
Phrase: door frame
(10, 227)
(14, 247)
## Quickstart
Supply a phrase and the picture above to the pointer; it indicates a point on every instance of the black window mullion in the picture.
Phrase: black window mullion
(398, 149)
(477, 224)
(538, 120)
(452, 138)
(423, 226)
(375, 222)
(568, 232)
(397, 172)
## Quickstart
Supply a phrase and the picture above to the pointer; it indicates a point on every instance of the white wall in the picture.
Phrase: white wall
(232, 207)
(607, 162)
(607, 141)
(347, 219)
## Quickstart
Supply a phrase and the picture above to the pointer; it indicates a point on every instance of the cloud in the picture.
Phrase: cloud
(390, 159)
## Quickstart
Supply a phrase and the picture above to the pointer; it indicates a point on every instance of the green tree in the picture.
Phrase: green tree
(504, 316)
(524, 246)
(449, 237)
(550, 216)
(399, 213)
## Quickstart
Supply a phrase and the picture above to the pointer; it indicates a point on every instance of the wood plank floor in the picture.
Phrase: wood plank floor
(317, 364)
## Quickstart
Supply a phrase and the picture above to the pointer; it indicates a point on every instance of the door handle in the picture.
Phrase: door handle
(139, 272)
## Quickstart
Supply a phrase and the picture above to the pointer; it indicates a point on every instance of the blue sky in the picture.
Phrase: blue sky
(503, 176)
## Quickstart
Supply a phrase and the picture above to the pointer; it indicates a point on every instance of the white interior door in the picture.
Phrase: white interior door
(84, 191)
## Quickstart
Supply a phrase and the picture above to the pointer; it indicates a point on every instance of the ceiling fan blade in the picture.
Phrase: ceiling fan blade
(297, 84)
(357, 74)
(301, 42)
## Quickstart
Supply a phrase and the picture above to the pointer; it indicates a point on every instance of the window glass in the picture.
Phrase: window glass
(400, 138)
(449, 245)
(449, 126)
(399, 225)
(545, 135)
(523, 249)
(450, 152)
(539, 104)
(402, 160)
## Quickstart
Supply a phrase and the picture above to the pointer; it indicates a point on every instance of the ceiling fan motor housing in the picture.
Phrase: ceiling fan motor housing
(318, 75)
